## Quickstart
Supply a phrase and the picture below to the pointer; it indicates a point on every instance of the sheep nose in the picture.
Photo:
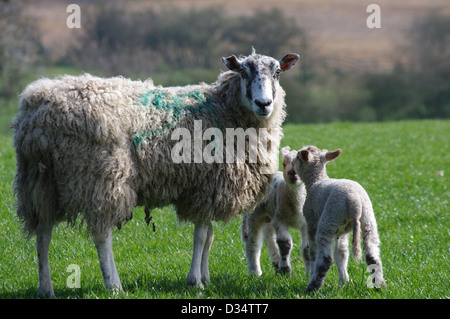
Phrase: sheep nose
(263, 103)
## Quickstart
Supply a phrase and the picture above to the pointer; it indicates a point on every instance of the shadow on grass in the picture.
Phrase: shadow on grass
(267, 286)
(169, 287)
(60, 293)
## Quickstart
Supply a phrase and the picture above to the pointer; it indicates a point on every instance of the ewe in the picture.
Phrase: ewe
(332, 208)
(100, 147)
(281, 209)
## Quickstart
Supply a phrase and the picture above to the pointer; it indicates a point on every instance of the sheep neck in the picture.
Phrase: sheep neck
(312, 176)
(293, 192)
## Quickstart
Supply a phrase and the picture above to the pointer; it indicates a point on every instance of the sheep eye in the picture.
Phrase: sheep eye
(242, 72)
(277, 73)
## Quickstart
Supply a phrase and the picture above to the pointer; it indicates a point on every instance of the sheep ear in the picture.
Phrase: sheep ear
(304, 155)
(288, 61)
(285, 150)
(329, 156)
(232, 63)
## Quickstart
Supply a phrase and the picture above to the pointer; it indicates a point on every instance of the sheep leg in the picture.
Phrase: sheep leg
(200, 239)
(284, 241)
(305, 249)
(43, 239)
(323, 261)
(372, 252)
(103, 244)
(341, 257)
(205, 254)
(271, 243)
(253, 242)
(311, 235)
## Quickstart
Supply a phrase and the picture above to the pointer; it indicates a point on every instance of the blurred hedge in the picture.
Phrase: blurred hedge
(177, 47)
(181, 46)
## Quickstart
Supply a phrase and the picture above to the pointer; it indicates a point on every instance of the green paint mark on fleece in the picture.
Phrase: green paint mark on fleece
(174, 104)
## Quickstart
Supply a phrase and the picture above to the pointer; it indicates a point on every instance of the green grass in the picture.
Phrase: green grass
(404, 166)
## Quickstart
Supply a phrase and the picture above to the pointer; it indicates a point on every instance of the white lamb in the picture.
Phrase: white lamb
(98, 147)
(334, 207)
(272, 219)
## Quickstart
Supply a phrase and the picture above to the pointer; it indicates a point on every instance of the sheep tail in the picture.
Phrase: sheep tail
(34, 182)
(356, 243)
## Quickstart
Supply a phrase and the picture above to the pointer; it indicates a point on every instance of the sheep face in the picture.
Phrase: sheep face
(310, 160)
(259, 79)
(289, 173)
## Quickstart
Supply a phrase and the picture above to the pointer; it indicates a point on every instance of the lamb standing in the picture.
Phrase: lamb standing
(100, 147)
(332, 208)
(272, 219)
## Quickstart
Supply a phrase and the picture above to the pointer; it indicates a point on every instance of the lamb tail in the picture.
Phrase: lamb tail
(356, 243)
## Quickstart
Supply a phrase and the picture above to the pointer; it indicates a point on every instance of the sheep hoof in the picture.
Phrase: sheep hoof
(286, 271)
(381, 285)
(277, 268)
(310, 289)
(46, 294)
(254, 272)
(192, 282)
(205, 280)
(313, 287)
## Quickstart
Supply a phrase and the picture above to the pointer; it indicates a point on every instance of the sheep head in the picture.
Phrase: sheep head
(289, 173)
(259, 79)
(310, 162)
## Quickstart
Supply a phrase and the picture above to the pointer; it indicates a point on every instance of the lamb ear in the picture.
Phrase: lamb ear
(303, 155)
(285, 150)
(232, 63)
(329, 156)
(288, 61)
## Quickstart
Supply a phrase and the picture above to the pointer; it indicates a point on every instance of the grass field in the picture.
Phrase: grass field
(404, 166)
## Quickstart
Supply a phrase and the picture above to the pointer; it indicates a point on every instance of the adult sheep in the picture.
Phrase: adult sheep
(99, 147)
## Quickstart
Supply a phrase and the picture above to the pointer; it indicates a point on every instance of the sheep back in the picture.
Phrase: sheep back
(335, 200)
(105, 146)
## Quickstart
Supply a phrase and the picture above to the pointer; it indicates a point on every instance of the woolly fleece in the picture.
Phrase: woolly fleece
(101, 146)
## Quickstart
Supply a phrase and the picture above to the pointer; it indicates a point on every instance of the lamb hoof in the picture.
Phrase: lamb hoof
(285, 271)
(381, 285)
(310, 289)
(277, 268)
